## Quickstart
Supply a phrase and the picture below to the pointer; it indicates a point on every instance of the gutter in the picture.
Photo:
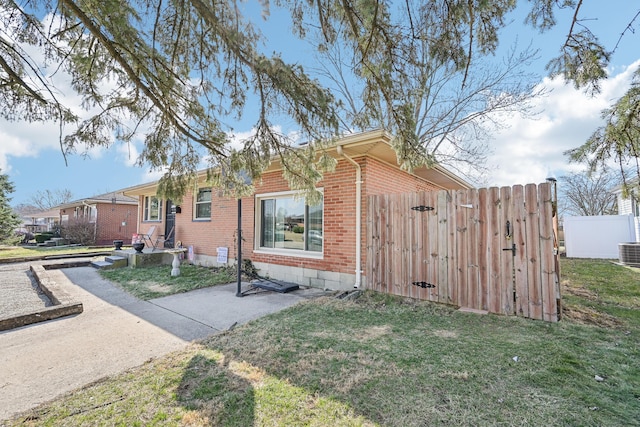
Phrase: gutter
(358, 216)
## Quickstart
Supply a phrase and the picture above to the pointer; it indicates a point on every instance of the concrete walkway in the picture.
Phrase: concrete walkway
(115, 332)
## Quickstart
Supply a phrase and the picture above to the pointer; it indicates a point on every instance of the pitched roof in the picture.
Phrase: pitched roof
(376, 144)
(116, 197)
(51, 213)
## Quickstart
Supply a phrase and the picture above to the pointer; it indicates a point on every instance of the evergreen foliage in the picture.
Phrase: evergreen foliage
(178, 73)
(9, 220)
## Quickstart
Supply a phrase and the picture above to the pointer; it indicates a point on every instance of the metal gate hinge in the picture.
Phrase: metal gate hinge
(422, 208)
(424, 285)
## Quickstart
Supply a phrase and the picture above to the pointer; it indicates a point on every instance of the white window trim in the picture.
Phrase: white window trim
(90, 211)
(258, 228)
(145, 212)
(196, 203)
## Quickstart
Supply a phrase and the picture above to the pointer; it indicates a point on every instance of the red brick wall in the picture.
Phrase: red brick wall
(109, 218)
(207, 235)
(339, 216)
(109, 221)
(381, 178)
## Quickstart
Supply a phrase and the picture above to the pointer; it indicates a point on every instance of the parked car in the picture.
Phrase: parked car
(315, 237)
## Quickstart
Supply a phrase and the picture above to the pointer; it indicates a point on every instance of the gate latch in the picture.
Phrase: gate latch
(512, 249)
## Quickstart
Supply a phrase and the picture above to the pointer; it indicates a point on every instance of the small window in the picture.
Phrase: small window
(203, 204)
(91, 213)
(288, 223)
(152, 208)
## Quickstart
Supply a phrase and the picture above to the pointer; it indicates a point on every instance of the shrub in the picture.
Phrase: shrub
(298, 229)
(79, 231)
(43, 237)
(24, 236)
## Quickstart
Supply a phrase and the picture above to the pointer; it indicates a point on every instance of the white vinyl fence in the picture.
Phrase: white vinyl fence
(597, 236)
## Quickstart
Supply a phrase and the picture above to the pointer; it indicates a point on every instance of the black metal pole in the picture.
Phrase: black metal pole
(239, 257)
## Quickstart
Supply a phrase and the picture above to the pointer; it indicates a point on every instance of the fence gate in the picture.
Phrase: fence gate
(487, 249)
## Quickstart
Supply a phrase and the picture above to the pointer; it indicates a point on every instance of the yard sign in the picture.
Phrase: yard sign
(487, 249)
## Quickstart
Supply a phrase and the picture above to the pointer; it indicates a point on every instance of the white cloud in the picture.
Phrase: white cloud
(529, 150)
(152, 176)
(128, 153)
(21, 139)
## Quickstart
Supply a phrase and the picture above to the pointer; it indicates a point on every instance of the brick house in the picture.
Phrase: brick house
(285, 239)
(113, 215)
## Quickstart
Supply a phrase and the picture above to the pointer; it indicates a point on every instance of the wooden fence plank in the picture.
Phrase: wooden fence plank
(452, 252)
(520, 259)
(442, 218)
(370, 236)
(417, 248)
(547, 256)
(394, 267)
(484, 249)
(460, 241)
(533, 252)
(473, 273)
(385, 227)
(401, 247)
(426, 261)
(380, 255)
(408, 244)
(506, 259)
(431, 251)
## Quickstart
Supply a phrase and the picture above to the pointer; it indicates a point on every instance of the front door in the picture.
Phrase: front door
(170, 225)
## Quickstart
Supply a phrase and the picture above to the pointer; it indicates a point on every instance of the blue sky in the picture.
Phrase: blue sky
(526, 150)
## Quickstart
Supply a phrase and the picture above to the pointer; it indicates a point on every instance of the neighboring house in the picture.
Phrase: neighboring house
(37, 221)
(113, 215)
(629, 206)
(321, 246)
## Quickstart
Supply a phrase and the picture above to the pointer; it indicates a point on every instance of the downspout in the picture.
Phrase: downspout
(358, 216)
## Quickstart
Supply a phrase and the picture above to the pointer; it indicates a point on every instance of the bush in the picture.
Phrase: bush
(24, 236)
(79, 231)
(298, 229)
(43, 237)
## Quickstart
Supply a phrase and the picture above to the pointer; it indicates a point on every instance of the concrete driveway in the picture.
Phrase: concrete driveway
(115, 332)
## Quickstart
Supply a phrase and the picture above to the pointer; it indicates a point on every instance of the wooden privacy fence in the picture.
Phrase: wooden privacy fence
(487, 249)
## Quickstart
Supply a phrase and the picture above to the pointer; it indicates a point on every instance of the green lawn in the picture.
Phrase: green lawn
(388, 361)
(156, 281)
(18, 252)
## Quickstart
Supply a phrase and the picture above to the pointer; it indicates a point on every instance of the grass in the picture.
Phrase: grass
(388, 361)
(156, 281)
(609, 291)
(7, 252)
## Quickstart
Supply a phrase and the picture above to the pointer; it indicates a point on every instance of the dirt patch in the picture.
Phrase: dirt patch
(371, 333)
(589, 316)
(445, 334)
(374, 332)
(581, 292)
(157, 287)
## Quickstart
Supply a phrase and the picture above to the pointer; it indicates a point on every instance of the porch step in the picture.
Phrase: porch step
(101, 265)
(117, 261)
(110, 262)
